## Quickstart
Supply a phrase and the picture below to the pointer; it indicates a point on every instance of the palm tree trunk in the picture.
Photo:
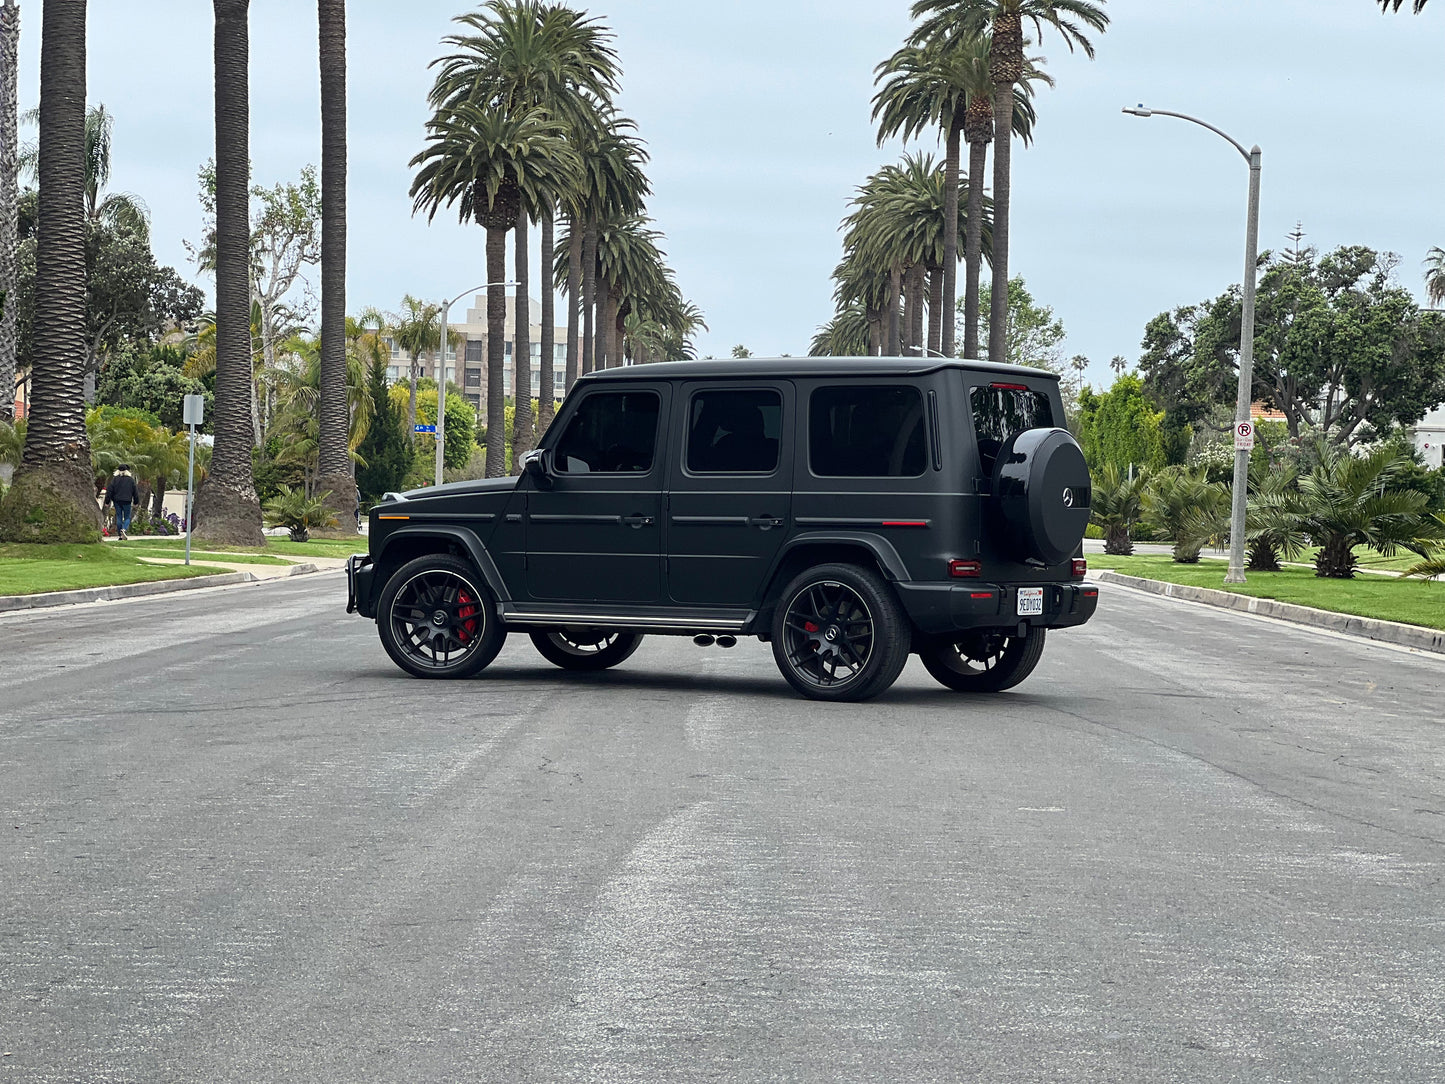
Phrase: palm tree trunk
(496, 360)
(1003, 107)
(522, 349)
(612, 328)
(937, 311)
(973, 247)
(334, 463)
(906, 332)
(9, 153)
(600, 358)
(875, 333)
(547, 392)
(574, 301)
(415, 371)
(946, 305)
(895, 287)
(917, 289)
(589, 293)
(53, 495)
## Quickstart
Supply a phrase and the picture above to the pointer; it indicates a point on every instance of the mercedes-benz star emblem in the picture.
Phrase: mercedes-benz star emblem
(1068, 498)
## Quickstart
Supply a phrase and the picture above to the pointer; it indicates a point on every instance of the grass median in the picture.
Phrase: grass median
(274, 547)
(33, 569)
(1388, 598)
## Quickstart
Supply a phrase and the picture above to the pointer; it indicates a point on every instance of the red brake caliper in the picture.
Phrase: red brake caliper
(467, 612)
(808, 626)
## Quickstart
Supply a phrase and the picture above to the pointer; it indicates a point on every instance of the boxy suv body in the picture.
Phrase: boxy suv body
(849, 510)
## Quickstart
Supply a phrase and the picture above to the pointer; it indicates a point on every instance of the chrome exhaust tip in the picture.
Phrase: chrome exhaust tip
(702, 639)
(727, 641)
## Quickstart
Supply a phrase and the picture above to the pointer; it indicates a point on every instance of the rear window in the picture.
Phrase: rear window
(1000, 411)
(866, 431)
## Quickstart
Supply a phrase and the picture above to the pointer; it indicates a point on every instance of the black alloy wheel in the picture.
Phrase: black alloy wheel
(437, 618)
(983, 662)
(576, 648)
(839, 633)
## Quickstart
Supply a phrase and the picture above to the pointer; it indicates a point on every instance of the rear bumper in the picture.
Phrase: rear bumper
(946, 607)
(359, 575)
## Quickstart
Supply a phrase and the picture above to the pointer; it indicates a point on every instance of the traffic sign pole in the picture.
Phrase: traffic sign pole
(193, 413)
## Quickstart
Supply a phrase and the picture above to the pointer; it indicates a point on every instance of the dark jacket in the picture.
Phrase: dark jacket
(121, 490)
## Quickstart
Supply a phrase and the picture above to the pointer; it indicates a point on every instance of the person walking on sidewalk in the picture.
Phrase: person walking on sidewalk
(122, 493)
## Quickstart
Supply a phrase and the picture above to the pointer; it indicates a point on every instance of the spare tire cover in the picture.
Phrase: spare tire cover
(1042, 490)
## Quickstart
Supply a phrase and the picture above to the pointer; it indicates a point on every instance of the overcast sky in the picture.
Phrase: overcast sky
(756, 115)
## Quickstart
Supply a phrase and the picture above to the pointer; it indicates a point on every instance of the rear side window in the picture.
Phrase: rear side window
(866, 431)
(1000, 411)
(611, 433)
(734, 432)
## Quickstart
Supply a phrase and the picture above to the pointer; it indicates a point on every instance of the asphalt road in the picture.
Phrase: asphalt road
(236, 844)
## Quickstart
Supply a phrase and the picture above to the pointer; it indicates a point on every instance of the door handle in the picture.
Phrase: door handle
(637, 522)
(765, 523)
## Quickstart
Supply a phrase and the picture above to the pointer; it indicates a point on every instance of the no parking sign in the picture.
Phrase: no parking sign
(1243, 436)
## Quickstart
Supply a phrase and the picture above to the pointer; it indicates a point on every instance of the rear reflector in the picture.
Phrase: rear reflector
(905, 523)
(1092, 592)
(960, 569)
(1081, 566)
(981, 594)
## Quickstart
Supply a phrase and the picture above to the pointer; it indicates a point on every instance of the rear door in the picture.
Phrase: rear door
(596, 535)
(729, 489)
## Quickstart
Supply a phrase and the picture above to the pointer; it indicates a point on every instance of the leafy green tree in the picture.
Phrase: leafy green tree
(52, 498)
(1120, 426)
(1348, 501)
(386, 453)
(152, 380)
(1339, 347)
(1035, 335)
(460, 427)
(1008, 66)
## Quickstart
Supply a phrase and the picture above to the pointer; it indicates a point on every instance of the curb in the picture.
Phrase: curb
(1390, 632)
(11, 603)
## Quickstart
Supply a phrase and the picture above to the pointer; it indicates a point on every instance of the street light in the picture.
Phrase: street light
(442, 374)
(1243, 394)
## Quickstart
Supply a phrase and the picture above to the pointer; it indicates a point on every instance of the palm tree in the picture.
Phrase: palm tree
(9, 152)
(1347, 501)
(486, 162)
(949, 19)
(844, 336)
(1187, 506)
(1117, 501)
(941, 83)
(226, 509)
(414, 329)
(529, 55)
(334, 466)
(117, 210)
(1395, 5)
(52, 498)
(1435, 276)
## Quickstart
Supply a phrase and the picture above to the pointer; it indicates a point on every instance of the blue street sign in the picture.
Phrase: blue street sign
(424, 429)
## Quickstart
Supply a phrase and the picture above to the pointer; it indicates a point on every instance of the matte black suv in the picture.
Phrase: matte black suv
(849, 510)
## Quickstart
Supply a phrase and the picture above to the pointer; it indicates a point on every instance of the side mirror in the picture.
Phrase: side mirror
(536, 465)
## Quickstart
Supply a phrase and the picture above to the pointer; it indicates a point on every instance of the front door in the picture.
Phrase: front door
(596, 535)
(730, 490)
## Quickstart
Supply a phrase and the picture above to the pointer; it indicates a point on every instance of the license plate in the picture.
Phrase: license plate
(1031, 601)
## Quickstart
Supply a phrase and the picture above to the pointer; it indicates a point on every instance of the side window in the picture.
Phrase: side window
(1000, 411)
(866, 431)
(611, 433)
(734, 432)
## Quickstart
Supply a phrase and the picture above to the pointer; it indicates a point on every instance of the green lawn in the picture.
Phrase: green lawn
(29, 569)
(161, 548)
(1414, 602)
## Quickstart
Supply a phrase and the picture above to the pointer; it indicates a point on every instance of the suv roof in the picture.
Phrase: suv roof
(724, 368)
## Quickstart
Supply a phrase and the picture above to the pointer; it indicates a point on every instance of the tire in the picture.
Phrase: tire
(437, 619)
(983, 662)
(576, 648)
(840, 634)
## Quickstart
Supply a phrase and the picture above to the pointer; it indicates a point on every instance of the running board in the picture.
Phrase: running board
(638, 622)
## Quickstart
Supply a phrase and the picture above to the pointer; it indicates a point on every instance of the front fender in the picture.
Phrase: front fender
(468, 542)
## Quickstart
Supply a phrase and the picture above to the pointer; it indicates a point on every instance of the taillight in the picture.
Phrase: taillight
(962, 569)
(1080, 566)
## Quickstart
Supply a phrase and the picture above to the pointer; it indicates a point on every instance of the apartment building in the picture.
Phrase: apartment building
(470, 372)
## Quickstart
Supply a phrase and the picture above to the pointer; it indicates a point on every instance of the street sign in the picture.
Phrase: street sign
(193, 410)
(1243, 436)
(424, 429)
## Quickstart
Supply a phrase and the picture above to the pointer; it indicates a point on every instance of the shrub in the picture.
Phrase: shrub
(298, 513)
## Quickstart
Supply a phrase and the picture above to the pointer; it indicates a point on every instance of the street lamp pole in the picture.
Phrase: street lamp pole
(1244, 392)
(442, 375)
